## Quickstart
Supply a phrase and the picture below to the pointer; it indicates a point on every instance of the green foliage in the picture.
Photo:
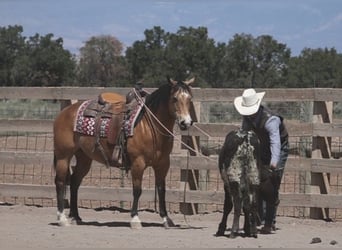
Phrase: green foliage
(36, 61)
(244, 61)
(187, 53)
(101, 62)
(316, 68)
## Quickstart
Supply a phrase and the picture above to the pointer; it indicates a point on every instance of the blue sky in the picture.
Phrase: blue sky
(297, 23)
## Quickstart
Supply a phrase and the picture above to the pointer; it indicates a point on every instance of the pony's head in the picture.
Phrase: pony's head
(180, 101)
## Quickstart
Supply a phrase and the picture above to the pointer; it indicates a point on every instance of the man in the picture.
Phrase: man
(273, 138)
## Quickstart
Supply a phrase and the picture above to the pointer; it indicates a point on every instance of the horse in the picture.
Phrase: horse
(239, 165)
(150, 145)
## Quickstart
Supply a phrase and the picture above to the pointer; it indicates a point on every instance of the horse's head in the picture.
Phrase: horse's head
(180, 101)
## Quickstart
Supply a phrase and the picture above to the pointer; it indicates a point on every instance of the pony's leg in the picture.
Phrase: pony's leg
(83, 163)
(62, 171)
(236, 193)
(227, 208)
(247, 212)
(254, 210)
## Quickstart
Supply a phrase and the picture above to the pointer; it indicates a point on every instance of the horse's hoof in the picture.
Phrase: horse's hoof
(136, 223)
(167, 222)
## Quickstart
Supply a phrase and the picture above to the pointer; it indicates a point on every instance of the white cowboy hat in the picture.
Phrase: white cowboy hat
(249, 102)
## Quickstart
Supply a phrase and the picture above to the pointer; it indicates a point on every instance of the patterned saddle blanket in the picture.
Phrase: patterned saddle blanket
(85, 123)
(94, 118)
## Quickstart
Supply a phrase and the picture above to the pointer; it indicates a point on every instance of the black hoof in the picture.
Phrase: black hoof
(233, 235)
(76, 220)
(219, 233)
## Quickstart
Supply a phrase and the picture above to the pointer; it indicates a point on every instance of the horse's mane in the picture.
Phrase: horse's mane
(162, 95)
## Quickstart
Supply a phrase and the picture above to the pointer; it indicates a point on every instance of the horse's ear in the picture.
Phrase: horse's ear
(171, 81)
(188, 82)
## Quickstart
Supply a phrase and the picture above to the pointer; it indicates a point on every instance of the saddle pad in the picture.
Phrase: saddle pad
(85, 125)
(131, 120)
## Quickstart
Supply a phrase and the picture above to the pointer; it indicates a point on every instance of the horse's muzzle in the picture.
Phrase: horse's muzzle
(184, 125)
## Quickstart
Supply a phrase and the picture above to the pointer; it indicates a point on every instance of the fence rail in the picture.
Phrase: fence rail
(316, 177)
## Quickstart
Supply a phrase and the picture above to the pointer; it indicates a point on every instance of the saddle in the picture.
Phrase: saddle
(112, 116)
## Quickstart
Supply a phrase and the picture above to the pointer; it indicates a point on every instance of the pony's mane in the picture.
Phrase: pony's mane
(162, 94)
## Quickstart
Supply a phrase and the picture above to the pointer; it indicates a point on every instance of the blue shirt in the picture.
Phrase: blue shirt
(272, 127)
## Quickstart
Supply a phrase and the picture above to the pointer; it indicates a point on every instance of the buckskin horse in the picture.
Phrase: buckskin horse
(150, 145)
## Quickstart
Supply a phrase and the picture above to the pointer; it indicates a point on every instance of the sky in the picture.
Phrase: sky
(297, 23)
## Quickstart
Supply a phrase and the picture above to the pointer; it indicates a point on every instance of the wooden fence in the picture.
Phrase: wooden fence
(318, 172)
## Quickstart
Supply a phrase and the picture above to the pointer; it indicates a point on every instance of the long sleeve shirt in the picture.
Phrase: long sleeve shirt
(272, 126)
(272, 130)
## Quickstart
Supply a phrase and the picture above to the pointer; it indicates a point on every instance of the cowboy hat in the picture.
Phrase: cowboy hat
(249, 102)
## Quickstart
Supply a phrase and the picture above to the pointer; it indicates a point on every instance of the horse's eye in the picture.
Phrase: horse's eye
(174, 99)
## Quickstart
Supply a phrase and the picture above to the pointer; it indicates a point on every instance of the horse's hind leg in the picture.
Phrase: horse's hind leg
(227, 208)
(136, 181)
(83, 163)
(62, 172)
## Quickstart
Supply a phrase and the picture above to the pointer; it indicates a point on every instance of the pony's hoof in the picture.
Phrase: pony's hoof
(62, 220)
(136, 223)
(233, 235)
(219, 233)
(167, 222)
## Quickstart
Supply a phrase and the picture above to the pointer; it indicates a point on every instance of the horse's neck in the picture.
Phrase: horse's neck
(164, 118)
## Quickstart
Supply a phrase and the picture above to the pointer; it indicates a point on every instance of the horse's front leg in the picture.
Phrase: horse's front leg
(160, 175)
(167, 222)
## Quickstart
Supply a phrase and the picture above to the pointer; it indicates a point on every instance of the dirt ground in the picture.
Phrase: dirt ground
(35, 227)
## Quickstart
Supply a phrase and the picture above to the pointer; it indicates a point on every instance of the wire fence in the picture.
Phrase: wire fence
(42, 174)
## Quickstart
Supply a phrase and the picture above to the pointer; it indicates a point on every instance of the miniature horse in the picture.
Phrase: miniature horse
(239, 168)
(150, 145)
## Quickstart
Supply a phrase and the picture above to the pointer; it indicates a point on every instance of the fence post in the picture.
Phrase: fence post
(321, 148)
(192, 178)
(306, 113)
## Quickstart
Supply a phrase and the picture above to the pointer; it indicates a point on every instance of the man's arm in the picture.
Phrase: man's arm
(272, 126)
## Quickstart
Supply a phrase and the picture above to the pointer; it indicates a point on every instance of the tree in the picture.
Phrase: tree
(271, 61)
(239, 61)
(146, 58)
(12, 44)
(316, 68)
(255, 62)
(189, 52)
(50, 63)
(101, 62)
(36, 61)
